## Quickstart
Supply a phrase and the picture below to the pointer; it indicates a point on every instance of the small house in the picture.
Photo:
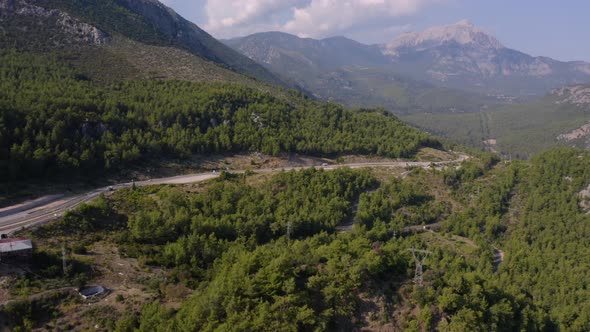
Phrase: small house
(15, 249)
(93, 292)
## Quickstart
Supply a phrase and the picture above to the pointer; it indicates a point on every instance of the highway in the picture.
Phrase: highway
(48, 208)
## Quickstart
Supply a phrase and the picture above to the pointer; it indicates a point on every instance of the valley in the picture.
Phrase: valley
(439, 80)
(156, 178)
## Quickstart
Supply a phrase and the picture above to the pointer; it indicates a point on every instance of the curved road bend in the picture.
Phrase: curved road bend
(16, 217)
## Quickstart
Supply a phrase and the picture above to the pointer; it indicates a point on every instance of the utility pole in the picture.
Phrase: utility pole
(63, 258)
(419, 257)
(288, 232)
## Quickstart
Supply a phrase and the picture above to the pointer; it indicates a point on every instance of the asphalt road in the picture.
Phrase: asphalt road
(49, 208)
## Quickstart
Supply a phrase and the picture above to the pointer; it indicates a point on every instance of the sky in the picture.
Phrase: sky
(554, 28)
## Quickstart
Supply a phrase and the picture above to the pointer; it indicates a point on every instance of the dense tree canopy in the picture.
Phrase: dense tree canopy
(52, 120)
(263, 253)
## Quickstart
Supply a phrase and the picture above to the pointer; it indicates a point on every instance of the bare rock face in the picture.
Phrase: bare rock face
(464, 56)
(578, 95)
(464, 49)
(82, 32)
(584, 196)
(461, 33)
(76, 30)
(581, 132)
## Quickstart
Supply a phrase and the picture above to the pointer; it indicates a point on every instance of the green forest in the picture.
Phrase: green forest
(55, 121)
(464, 241)
(263, 253)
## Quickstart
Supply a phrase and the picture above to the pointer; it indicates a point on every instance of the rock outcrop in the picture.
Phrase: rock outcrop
(578, 95)
(76, 30)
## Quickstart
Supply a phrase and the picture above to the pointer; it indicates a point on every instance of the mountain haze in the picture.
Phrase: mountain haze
(463, 56)
(462, 33)
(289, 53)
(458, 56)
(457, 81)
(343, 70)
(560, 118)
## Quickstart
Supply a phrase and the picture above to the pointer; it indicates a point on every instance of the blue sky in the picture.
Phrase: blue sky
(554, 28)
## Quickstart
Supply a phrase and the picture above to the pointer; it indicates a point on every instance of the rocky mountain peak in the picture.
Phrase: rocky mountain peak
(465, 22)
(462, 33)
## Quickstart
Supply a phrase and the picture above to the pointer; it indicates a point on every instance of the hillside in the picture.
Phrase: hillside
(55, 121)
(303, 57)
(260, 252)
(97, 36)
(291, 214)
(455, 81)
(520, 130)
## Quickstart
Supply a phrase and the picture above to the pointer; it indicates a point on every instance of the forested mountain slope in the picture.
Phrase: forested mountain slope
(52, 120)
(508, 242)
(97, 35)
(561, 118)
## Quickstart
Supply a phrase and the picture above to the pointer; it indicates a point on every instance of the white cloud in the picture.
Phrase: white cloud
(226, 17)
(310, 18)
(323, 17)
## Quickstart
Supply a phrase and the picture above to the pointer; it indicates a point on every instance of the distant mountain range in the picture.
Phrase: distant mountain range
(342, 70)
(456, 81)
(458, 56)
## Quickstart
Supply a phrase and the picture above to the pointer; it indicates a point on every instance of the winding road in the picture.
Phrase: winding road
(48, 208)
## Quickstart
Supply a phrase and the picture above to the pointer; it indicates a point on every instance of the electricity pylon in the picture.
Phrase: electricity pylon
(419, 256)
